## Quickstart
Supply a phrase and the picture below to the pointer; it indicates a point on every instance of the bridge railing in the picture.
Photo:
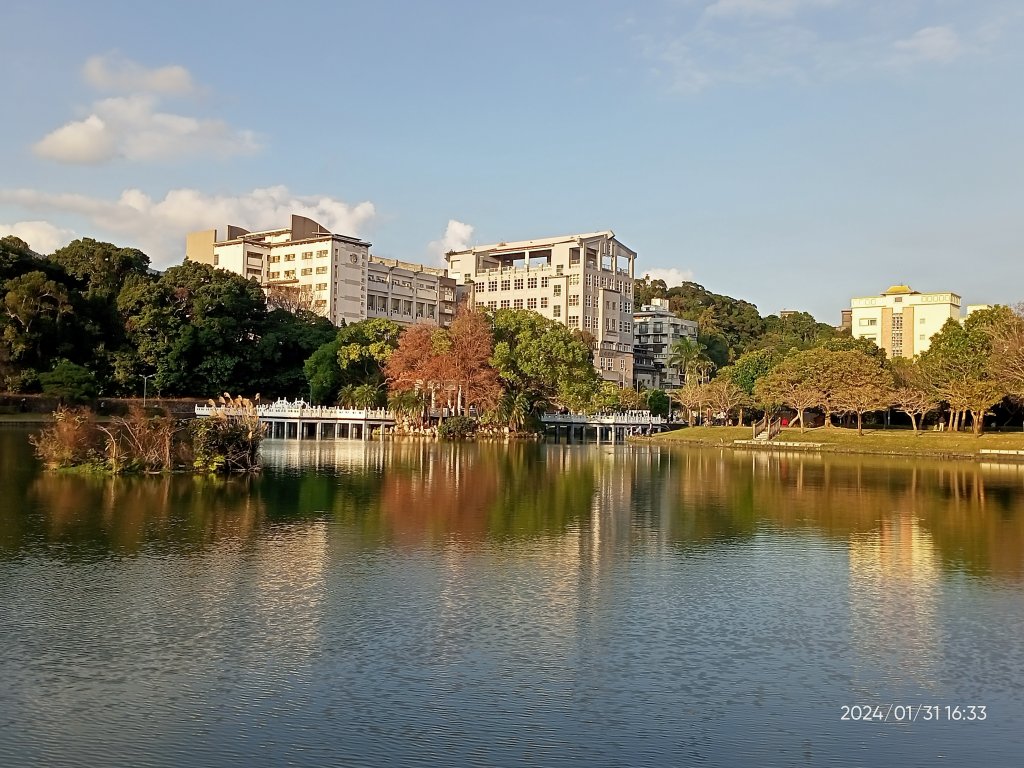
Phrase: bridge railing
(628, 418)
(299, 409)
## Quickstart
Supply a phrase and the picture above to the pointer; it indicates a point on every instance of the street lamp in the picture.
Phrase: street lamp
(145, 381)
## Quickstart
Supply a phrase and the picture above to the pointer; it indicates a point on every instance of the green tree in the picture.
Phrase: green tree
(751, 366)
(864, 384)
(543, 360)
(688, 356)
(658, 402)
(101, 268)
(72, 383)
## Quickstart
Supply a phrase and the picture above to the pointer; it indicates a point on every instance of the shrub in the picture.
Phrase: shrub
(69, 441)
(71, 382)
(229, 439)
(457, 428)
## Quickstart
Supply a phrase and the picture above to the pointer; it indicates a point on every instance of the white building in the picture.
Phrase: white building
(656, 329)
(330, 274)
(901, 320)
(582, 281)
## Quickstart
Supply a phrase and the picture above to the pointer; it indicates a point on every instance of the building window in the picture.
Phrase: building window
(921, 321)
(531, 282)
(482, 288)
(544, 282)
(574, 279)
(289, 257)
(216, 259)
(274, 259)
(505, 304)
(321, 254)
(321, 286)
(517, 304)
(531, 303)
(556, 311)
(321, 270)
(518, 284)
(543, 302)
(492, 285)
(921, 337)
(574, 300)
(492, 305)
(506, 285)
(307, 271)
(574, 321)
(289, 273)
(869, 321)
(274, 275)
(307, 254)
(406, 307)
(558, 290)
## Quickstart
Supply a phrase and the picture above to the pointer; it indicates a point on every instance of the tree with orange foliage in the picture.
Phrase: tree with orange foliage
(451, 364)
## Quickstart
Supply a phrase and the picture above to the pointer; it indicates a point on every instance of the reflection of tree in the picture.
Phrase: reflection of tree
(127, 514)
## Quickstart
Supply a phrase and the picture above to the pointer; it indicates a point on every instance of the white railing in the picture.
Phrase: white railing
(301, 409)
(628, 418)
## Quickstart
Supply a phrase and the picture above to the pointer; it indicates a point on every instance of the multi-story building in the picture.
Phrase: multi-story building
(656, 329)
(902, 321)
(582, 281)
(330, 274)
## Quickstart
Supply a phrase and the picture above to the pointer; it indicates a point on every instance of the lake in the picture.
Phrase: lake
(407, 604)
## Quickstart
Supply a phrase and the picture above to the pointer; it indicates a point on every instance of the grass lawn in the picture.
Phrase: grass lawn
(842, 440)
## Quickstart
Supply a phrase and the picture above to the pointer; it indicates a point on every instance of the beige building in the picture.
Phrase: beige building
(582, 281)
(330, 274)
(902, 321)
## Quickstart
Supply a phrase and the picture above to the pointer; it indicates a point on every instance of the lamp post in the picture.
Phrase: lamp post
(145, 381)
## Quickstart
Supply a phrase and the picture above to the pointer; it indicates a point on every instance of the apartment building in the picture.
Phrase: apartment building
(901, 320)
(583, 281)
(330, 274)
(656, 329)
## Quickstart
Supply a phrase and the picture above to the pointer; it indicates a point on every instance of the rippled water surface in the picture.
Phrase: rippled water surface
(412, 604)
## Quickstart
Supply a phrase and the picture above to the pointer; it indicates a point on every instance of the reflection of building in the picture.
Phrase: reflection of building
(582, 281)
(657, 329)
(330, 274)
(902, 321)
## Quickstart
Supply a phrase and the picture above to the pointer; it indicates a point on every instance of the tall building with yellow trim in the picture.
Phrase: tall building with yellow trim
(902, 321)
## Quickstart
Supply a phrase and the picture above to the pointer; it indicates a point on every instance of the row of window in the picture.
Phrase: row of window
(276, 258)
(377, 303)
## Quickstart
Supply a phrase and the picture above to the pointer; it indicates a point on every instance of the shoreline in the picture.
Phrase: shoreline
(842, 440)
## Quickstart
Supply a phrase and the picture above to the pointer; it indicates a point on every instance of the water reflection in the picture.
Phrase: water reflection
(578, 502)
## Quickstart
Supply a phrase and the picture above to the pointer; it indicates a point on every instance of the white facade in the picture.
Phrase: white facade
(582, 281)
(656, 329)
(902, 321)
(334, 275)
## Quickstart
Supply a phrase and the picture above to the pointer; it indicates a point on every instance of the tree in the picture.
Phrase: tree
(72, 383)
(863, 385)
(658, 402)
(542, 359)
(356, 355)
(724, 396)
(687, 356)
(36, 307)
(912, 393)
(957, 365)
(1006, 359)
(750, 367)
(101, 268)
(792, 382)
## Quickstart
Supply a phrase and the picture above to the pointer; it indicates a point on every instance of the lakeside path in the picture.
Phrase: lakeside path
(891, 442)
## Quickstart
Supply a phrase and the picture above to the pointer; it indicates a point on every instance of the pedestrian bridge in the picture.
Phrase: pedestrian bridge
(298, 420)
(605, 427)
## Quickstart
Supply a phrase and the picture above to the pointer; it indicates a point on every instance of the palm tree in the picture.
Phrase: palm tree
(365, 396)
(688, 355)
(409, 404)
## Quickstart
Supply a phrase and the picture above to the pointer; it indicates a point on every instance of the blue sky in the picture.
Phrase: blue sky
(790, 152)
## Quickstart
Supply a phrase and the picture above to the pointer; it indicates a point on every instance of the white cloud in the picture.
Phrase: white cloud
(114, 73)
(133, 127)
(671, 275)
(41, 236)
(931, 44)
(458, 236)
(777, 8)
(159, 227)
